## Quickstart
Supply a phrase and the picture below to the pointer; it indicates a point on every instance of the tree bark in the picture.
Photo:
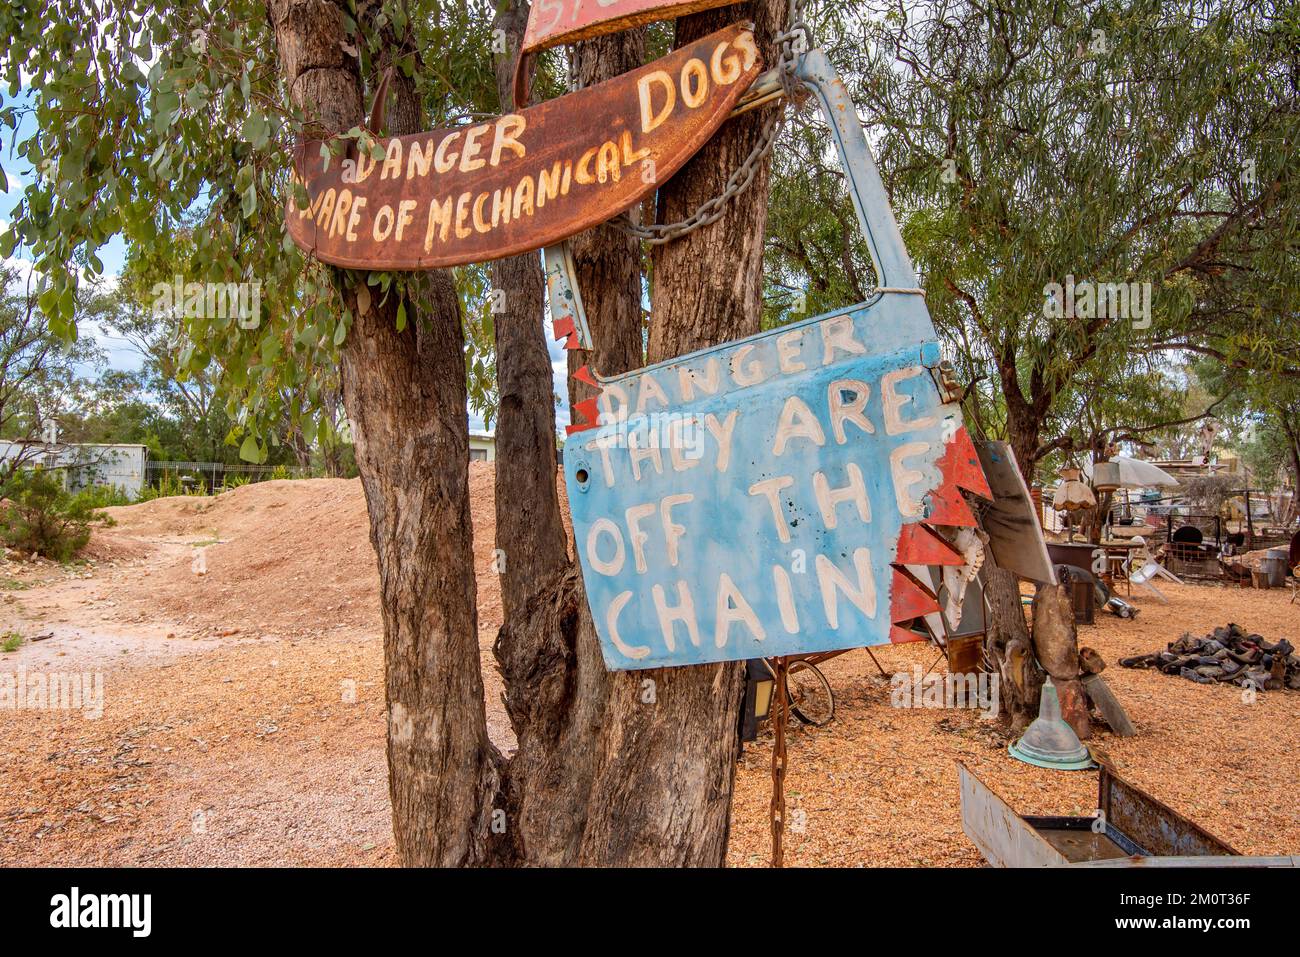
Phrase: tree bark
(530, 532)
(668, 745)
(406, 394)
(547, 649)
(1010, 648)
(625, 769)
(405, 397)
(608, 260)
(634, 769)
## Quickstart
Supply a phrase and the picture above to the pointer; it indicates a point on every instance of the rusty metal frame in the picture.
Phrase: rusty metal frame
(1146, 832)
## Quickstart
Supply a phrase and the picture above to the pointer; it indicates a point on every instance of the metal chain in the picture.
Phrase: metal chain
(779, 720)
(791, 45)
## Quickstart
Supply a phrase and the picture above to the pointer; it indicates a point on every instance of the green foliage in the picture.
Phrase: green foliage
(1263, 409)
(229, 482)
(169, 485)
(476, 300)
(1026, 141)
(42, 518)
(41, 377)
(169, 125)
(1017, 150)
(1208, 494)
(10, 642)
(103, 496)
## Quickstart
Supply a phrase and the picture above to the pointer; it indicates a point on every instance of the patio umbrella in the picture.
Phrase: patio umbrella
(1134, 473)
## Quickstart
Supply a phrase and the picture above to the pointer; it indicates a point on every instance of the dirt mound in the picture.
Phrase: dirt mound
(232, 512)
(273, 558)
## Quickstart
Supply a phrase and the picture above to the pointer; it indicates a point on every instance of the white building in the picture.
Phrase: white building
(482, 447)
(84, 464)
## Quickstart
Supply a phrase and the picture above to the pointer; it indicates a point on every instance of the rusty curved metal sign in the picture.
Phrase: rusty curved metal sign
(552, 22)
(782, 494)
(523, 180)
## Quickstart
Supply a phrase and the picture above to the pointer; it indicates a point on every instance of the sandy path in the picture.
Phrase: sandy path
(243, 709)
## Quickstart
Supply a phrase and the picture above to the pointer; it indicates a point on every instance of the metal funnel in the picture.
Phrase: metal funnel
(1049, 742)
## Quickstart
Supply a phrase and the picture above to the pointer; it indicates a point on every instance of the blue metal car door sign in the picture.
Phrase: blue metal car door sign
(780, 494)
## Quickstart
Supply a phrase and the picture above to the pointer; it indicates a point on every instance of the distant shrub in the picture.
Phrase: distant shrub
(42, 518)
(169, 484)
(104, 496)
(229, 482)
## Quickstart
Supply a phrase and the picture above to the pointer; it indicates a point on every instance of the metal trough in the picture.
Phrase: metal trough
(1132, 829)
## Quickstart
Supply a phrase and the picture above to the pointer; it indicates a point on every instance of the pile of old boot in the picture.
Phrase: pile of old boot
(1229, 655)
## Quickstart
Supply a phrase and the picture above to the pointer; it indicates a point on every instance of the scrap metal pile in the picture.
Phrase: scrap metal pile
(1228, 655)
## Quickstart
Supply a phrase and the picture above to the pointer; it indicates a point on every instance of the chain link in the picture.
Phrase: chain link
(780, 719)
(791, 45)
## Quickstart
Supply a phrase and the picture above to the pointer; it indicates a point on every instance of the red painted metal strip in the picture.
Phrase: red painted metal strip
(947, 507)
(961, 465)
(584, 415)
(908, 600)
(563, 328)
(918, 545)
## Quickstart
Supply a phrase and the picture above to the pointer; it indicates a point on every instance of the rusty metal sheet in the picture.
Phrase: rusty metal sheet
(1015, 535)
(523, 180)
(1157, 828)
(1133, 830)
(1002, 836)
(965, 655)
(551, 22)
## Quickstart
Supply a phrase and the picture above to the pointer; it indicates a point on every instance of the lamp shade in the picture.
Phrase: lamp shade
(1105, 476)
(1073, 495)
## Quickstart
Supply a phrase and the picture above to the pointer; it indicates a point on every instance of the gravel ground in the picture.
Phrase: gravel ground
(243, 709)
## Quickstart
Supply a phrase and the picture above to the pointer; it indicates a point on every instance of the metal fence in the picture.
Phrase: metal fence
(213, 476)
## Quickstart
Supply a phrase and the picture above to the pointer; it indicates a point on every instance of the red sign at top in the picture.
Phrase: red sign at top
(563, 21)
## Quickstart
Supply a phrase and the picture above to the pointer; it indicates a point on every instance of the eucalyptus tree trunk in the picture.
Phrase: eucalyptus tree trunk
(405, 397)
(530, 536)
(666, 755)
(1010, 647)
(547, 650)
(624, 769)
(634, 768)
(608, 260)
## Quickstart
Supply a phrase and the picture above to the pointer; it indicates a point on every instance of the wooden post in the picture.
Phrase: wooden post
(1056, 644)
(1250, 524)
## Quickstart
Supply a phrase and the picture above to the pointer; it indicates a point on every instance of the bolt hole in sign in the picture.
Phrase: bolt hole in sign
(780, 494)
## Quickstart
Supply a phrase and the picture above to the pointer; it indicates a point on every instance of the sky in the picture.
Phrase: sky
(17, 175)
